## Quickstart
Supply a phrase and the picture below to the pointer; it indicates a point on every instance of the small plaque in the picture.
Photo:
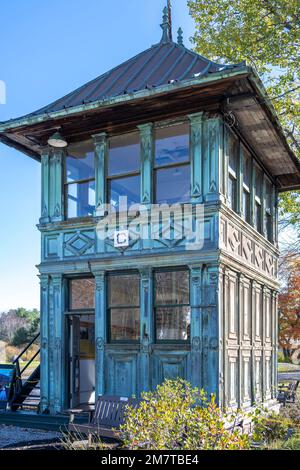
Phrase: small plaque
(121, 238)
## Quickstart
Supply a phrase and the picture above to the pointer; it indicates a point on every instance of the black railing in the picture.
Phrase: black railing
(22, 390)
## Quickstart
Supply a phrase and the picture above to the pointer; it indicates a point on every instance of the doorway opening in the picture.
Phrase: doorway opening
(82, 359)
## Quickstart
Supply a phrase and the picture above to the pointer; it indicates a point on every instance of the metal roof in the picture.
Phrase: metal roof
(163, 63)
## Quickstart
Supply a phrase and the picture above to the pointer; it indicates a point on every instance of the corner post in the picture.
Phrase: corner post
(45, 182)
(56, 185)
(197, 365)
(100, 332)
(101, 154)
(146, 326)
(58, 342)
(44, 338)
(196, 156)
(212, 156)
(147, 157)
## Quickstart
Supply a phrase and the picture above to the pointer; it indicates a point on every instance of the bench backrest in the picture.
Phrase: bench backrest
(109, 410)
(294, 386)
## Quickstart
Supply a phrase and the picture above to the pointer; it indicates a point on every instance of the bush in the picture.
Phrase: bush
(291, 412)
(177, 416)
(293, 443)
(270, 428)
(20, 337)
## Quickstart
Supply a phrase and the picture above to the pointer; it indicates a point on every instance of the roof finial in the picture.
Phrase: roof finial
(180, 37)
(166, 27)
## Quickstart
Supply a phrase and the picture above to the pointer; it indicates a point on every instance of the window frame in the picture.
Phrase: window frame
(67, 184)
(245, 188)
(119, 176)
(109, 309)
(88, 311)
(156, 168)
(233, 174)
(258, 199)
(268, 215)
(173, 306)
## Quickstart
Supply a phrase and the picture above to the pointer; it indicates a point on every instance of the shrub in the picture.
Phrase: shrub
(269, 428)
(293, 443)
(291, 412)
(20, 337)
(177, 416)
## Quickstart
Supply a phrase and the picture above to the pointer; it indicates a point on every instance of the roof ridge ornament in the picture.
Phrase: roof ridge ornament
(166, 26)
(180, 37)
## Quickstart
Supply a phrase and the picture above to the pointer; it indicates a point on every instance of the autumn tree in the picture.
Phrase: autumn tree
(289, 307)
(265, 33)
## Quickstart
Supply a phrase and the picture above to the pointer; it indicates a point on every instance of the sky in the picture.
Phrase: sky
(47, 49)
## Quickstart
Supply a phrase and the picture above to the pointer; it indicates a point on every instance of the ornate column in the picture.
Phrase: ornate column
(56, 185)
(101, 155)
(100, 332)
(146, 287)
(210, 329)
(45, 181)
(147, 156)
(196, 156)
(212, 156)
(196, 326)
(44, 338)
(58, 341)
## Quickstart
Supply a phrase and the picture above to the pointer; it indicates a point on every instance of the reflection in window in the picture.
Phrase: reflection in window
(124, 307)
(172, 165)
(124, 169)
(246, 185)
(268, 211)
(82, 294)
(172, 305)
(258, 199)
(233, 154)
(80, 180)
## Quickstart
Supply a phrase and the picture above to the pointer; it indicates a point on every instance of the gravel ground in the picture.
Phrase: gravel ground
(10, 435)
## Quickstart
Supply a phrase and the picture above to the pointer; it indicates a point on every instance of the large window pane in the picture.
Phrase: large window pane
(233, 152)
(125, 324)
(173, 323)
(128, 186)
(124, 290)
(172, 145)
(123, 305)
(81, 199)
(172, 287)
(124, 154)
(82, 294)
(80, 162)
(173, 185)
(232, 185)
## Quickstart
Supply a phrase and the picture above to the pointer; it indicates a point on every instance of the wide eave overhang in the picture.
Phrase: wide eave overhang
(237, 90)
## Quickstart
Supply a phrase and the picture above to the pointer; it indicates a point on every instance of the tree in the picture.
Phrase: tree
(289, 307)
(265, 33)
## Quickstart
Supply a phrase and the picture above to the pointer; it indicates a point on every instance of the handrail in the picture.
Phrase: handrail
(29, 362)
(27, 347)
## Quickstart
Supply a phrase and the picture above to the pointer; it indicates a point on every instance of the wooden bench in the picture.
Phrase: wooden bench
(288, 393)
(108, 416)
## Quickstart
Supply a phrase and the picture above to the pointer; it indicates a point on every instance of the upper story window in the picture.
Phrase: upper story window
(233, 151)
(258, 186)
(246, 185)
(268, 211)
(80, 180)
(172, 305)
(172, 165)
(124, 307)
(124, 169)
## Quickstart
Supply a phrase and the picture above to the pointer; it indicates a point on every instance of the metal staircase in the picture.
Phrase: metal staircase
(26, 391)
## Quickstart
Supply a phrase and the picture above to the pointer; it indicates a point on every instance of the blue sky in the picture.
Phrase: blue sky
(47, 49)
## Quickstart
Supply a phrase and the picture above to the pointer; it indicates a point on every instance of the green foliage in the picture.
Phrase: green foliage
(20, 337)
(291, 412)
(269, 428)
(265, 33)
(282, 359)
(293, 443)
(177, 416)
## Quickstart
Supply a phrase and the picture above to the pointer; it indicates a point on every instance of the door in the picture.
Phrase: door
(74, 361)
